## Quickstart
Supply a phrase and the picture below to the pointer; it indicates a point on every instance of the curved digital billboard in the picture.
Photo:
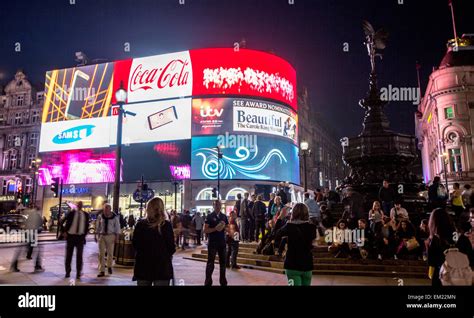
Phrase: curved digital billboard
(245, 157)
(179, 103)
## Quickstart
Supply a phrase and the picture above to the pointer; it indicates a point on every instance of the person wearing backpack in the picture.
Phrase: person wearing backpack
(441, 238)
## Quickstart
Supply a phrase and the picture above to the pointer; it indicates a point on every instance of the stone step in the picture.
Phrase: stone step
(389, 269)
(332, 260)
(345, 272)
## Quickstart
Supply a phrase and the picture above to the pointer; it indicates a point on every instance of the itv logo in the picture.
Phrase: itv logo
(73, 134)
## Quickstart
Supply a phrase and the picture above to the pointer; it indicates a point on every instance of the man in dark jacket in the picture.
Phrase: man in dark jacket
(259, 210)
(214, 226)
(270, 205)
(76, 226)
(386, 197)
(244, 218)
(186, 221)
(251, 218)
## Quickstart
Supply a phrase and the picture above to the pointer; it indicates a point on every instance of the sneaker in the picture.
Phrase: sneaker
(379, 257)
(67, 275)
(425, 258)
(101, 274)
(236, 267)
(110, 271)
(14, 269)
(395, 257)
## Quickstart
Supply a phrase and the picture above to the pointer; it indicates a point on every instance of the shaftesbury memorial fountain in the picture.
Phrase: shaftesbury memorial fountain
(378, 153)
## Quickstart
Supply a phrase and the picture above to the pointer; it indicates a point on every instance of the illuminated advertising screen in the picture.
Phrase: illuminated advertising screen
(212, 116)
(177, 103)
(245, 157)
(217, 71)
(98, 165)
(243, 72)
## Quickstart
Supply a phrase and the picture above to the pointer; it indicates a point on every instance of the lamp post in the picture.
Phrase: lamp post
(219, 157)
(304, 152)
(121, 97)
(176, 195)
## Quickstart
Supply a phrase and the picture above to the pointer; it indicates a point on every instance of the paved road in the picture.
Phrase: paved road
(187, 272)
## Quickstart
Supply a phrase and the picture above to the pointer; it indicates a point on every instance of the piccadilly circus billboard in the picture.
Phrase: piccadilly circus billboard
(174, 97)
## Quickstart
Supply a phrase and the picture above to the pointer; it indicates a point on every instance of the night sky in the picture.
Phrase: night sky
(309, 34)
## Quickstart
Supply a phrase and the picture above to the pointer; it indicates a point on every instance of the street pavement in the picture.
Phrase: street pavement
(187, 272)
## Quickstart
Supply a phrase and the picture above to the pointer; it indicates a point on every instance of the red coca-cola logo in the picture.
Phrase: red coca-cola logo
(172, 74)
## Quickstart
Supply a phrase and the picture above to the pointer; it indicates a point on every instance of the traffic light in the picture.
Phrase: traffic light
(214, 192)
(19, 194)
(55, 187)
(26, 199)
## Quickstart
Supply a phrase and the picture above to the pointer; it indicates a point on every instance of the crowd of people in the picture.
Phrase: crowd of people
(280, 229)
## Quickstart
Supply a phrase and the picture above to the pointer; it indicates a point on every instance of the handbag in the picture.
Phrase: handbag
(412, 244)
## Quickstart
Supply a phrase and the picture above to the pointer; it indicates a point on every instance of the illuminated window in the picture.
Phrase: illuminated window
(206, 194)
(455, 160)
(449, 112)
(232, 194)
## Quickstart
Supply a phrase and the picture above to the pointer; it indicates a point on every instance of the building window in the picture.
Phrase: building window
(205, 194)
(18, 120)
(28, 185)
(455, 160)
(12, 164)
(19, 100)
(33, 139)
(449, 112)
(34, 116)
(31, 157)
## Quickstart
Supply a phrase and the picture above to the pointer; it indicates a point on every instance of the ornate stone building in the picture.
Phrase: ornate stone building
(20, 118)
(445, 117)
(325, 165)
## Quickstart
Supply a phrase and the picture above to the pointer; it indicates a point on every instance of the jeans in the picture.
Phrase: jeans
(153, 283)
(212, 250)
(251, 229)
(198, 237)
(106, 244)
(74, 241)
(299, 278)
(244, 227)
(386, 207)
(232, 252)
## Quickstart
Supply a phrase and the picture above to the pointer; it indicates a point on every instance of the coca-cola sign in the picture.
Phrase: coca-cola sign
(159, 77)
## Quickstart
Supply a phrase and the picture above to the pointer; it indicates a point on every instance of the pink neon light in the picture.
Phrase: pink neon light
(181, 172)
(78, 167)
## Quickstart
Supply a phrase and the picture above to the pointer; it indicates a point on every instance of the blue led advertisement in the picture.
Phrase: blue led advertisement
(245, 157)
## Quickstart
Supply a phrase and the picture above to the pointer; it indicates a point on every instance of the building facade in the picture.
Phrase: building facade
(325, 167)
(445, 117)
(20, 119)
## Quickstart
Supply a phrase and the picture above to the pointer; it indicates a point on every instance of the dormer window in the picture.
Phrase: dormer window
(20, 100)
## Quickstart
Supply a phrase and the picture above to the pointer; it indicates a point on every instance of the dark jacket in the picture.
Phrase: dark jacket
(67, 223)
(259, 210)
(464, 245)
(300, 245)
(282, 194)
(153, 251)
(386, 194)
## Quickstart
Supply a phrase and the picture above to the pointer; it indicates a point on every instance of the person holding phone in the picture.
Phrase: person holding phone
(214, 226)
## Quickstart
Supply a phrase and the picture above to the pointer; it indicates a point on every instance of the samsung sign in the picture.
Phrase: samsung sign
(73, 134)
(76, 134)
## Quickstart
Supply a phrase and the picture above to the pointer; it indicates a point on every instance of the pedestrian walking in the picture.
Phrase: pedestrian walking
(198, 222)
(214, 226)
(107, 231)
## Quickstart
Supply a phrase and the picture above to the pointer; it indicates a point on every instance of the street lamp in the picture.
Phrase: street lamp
(445, 158)
(219, 157)
(121, 97)
(304, 152)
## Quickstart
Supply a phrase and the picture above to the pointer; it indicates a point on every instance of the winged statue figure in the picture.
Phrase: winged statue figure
(375, 41)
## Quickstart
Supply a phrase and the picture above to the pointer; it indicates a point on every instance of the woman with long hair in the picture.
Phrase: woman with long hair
(153, 241)
(299, 257)
(441, 238)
